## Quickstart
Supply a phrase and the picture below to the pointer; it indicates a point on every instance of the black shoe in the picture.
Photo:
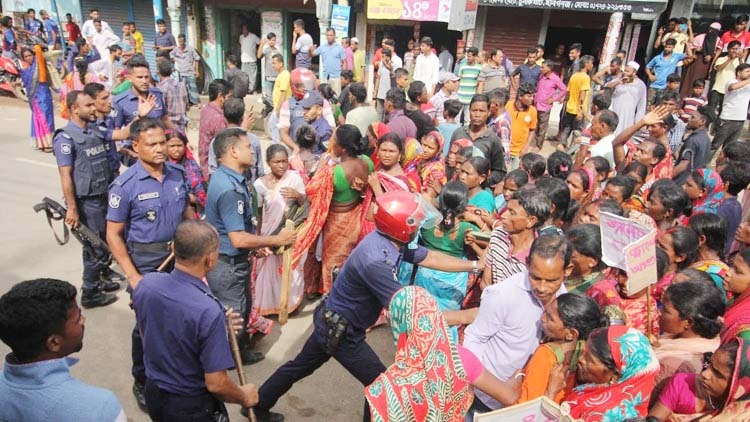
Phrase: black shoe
(264, 415)
(109, 286)
(250, 357)
(108, 274)
(140, 395)
(96, 298)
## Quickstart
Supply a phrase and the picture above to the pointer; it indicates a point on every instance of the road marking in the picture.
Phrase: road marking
(35, 162)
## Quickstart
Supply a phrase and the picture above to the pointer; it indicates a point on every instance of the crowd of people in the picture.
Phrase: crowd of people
(433, 209)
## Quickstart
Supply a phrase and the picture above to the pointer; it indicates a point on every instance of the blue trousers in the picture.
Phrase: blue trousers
(353, 353)
(145, 262)
(92, 212)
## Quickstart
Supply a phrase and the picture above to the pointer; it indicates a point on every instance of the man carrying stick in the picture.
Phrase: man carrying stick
(184, 331)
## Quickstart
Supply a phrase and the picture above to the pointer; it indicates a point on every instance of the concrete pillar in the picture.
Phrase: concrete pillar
(175, 16)
(323, 12)
(612, 40)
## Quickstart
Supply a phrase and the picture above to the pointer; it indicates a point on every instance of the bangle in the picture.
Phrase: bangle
(519, 375)
(474, 267)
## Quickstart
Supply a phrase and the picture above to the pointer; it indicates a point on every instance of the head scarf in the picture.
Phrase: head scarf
(438, 137)
(380, 129)
(709, 202)
(305, 77)
(739, 384)
(629, 396)
(410, 163)
(465, 142)
(427, 380)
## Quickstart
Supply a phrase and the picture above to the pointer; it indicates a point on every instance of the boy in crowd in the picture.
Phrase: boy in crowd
(451, 109)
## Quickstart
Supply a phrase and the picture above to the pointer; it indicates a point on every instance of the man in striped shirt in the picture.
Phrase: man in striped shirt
(469, 75)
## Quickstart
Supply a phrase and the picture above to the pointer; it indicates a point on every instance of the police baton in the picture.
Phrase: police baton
(238, 361)
(166, 262)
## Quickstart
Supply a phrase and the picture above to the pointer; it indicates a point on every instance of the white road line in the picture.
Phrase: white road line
(35, 162)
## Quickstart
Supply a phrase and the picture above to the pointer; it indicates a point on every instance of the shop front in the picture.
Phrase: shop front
(517, 25)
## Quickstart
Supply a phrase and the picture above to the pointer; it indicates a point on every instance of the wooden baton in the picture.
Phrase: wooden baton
(286, 278)
(238, 361)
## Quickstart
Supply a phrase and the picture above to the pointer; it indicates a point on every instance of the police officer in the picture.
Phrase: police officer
(364, 286)
(146, 203)
(82, 153)
(184, 330)
(229, 208)
(125, 105)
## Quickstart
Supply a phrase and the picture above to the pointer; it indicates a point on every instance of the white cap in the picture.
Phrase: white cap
(354, 39)
(634, 64)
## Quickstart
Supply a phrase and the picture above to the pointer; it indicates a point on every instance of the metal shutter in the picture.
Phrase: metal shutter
(514, 30)
(143, 11)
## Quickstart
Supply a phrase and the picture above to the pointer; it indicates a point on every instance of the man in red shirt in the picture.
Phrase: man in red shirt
(739, 33)
(74, 32)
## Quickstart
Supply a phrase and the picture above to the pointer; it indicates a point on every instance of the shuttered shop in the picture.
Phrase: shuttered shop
(112, 12)
(514, 30)
(143, 14)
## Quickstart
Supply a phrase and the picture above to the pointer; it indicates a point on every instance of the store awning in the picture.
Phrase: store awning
(605, 6)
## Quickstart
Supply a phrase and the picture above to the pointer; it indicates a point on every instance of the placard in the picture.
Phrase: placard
(631, 247)
(541, 409)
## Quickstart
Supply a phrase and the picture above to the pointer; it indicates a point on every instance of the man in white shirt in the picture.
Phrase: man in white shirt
(446, 59)
(507, 328)
(104, 68)
(249, 56)
(103, 38)
(427, 67)
(734, 109)
(447, 92)
(87, 30)
(602, 129)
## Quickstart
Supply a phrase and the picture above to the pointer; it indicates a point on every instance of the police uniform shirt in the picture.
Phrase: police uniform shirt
(150, 209)
(369, 278)
(107, 125)
(184, 332)
(229, 207)
(67, 150)
(125, 107)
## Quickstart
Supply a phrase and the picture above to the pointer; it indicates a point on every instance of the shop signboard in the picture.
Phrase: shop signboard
(608, 6)
(340, 20)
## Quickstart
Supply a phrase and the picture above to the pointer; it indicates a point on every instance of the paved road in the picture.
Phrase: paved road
(29, 251)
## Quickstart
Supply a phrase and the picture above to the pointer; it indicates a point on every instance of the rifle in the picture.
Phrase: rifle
(91, 241)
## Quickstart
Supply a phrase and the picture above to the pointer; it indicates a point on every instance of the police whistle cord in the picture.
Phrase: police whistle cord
(90, 241)
(238, 361)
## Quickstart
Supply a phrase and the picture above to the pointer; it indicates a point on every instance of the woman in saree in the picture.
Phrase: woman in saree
(281, 193)
(374, 132)
(305, 162)
(721, 391)
(75, 81)
(410, 160)
(449, 289)
(617, 369)
(432, 376)
(335, 193)
(432, 168)
(179, 153)
(35, 79)
(705, 189)
(588, 267)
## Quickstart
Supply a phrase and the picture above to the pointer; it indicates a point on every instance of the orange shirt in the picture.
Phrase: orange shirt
(521, 123)
(537, 372)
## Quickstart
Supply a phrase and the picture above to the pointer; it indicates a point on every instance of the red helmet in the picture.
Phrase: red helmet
(302, 80)
(401, 214)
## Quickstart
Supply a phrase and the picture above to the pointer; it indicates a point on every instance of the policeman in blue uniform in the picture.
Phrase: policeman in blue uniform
(146, 203)
(126, 104)
(104, 118)
(82, 154)
(185, 345)
(229, 208)
(367, 281)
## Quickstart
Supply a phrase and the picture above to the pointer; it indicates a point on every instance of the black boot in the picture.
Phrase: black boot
(247, 355)
(139, 391)
(112, 275)
(94, 298)
(264, 415)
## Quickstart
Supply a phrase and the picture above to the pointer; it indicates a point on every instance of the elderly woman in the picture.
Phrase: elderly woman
(617, 370)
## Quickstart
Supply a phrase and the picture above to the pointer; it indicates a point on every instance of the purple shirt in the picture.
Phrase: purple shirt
(546, 88)
(402, 125)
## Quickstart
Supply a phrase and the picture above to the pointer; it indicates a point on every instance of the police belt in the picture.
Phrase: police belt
(156, 247)
(234, 259)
